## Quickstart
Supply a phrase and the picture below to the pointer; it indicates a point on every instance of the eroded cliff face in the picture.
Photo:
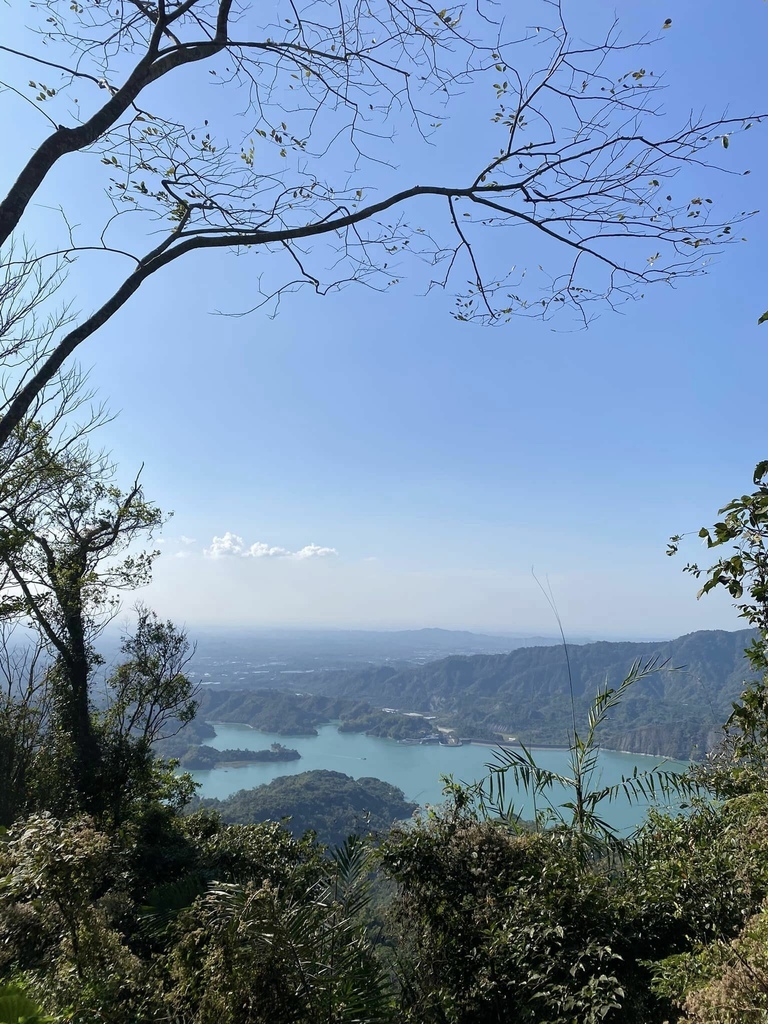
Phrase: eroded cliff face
(682, 741)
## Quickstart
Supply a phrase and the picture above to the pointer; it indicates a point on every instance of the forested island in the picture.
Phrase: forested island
(330, 804)
(205, 758)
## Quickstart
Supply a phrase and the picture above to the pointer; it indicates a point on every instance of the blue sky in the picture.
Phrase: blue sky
(440, 461)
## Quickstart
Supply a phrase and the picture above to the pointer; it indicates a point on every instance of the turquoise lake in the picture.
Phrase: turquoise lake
(415, 769)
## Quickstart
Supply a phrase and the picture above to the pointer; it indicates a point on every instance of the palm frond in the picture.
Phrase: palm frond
(579, 812)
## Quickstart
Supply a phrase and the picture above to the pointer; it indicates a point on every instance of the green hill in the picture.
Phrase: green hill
(332, 804)
(676, 711)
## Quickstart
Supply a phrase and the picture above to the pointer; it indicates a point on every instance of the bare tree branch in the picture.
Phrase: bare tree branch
(574, 151)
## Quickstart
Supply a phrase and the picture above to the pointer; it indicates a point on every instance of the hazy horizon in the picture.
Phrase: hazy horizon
(334, 592)
(167, 607)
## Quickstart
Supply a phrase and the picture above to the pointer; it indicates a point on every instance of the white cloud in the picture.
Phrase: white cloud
(262, 550)
(187, 540)
(226, 546)
(181, 554)
(314, 551)
(231, 545)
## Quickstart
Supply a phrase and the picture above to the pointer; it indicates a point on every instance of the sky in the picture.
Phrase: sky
(364, 460)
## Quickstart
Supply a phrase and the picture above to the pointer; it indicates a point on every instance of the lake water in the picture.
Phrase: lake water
(415, 769)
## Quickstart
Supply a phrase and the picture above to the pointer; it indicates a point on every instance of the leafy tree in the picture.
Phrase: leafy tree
(68, 546)
(725, 981)
(496, 926)
(63, 557)
(742, 571)
(64, 889)
(496, 923)
(148, 698)
(702, 881)
(570, 152)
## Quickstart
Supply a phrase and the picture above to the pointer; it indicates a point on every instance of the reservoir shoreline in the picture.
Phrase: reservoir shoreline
(417, 769)
(465, 742)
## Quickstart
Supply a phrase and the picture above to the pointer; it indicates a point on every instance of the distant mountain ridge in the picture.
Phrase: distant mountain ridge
(678, 711)
(237, 657)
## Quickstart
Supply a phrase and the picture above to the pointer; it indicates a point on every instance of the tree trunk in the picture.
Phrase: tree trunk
(74, 702)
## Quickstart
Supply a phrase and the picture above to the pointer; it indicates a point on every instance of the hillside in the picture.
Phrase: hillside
(676, 711)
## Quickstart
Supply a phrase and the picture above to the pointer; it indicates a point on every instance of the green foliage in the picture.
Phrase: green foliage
(67, 546)
(66, 550)
(64, 886)
(742, 571)
(17, 1008)
(496, 924)
(83, 927)
(263, 851)
(252, 953)
(711, 874)
(722, 981)
(699, 876)
(148, 698)
(499, 926)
